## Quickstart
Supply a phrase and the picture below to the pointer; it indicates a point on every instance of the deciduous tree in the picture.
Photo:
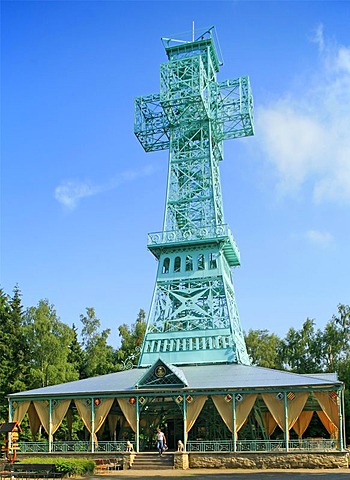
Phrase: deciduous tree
(48, 342)
(300, 350)
(98, 355)
(131, 340)
(263, 348)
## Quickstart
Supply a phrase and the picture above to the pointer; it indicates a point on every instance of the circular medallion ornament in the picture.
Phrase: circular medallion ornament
(160, 371)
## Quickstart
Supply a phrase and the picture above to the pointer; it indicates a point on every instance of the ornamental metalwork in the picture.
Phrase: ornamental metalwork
(131, 361)
(193, 316)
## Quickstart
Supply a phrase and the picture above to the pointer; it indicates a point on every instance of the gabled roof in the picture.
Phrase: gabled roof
(10, 427)
(162, 374)
(195, 378)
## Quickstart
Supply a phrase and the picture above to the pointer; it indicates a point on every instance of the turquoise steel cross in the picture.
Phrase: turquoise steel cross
(193, 316)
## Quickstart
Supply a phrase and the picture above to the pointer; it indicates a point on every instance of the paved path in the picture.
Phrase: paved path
(212, 474)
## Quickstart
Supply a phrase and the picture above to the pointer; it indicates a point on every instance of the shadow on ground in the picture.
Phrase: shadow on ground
(231, 475)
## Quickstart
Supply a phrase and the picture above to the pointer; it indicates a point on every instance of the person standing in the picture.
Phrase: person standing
(161, 441)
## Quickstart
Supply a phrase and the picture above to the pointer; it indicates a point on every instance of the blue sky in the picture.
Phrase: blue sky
(79, 195)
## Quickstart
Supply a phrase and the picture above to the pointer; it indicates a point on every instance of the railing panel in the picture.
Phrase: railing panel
(33, 447)
(322, 444)
(110, 447)
(213, 446)
(319, 445)
(262, 445)
(71, 446)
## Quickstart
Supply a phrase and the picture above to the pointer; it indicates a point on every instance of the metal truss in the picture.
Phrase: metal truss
(190, 305)
(194, 316)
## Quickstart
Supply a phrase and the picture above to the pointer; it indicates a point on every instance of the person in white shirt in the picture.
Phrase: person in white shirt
(161, 441)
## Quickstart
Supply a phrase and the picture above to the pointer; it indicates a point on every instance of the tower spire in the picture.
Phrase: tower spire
(193, 316)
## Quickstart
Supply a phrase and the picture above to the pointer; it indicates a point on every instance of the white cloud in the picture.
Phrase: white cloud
(320, 239)
(318, 37)
(305, 134)
(70, 192)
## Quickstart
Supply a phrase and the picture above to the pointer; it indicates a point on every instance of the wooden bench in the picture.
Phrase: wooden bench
(108, 464)
(30, 470)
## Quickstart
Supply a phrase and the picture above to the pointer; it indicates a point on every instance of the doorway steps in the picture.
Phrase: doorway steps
(153, 461)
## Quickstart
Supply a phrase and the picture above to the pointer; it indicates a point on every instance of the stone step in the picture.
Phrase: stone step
(153, 461)
(157, 461)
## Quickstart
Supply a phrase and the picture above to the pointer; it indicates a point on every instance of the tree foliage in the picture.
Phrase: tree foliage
(132, 338)
(48, 341)
(263, 348)
(37, 349)
(98, 355)
(14, 371)
(300, 350)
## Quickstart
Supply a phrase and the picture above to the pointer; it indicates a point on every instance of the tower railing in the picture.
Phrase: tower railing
(218, 232)
(215, 233)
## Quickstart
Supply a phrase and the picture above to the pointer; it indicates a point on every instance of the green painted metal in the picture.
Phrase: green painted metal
(193, 316)
(219, 445)
(162, 375)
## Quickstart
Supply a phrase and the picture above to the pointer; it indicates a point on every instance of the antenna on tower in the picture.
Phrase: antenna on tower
(193, 31)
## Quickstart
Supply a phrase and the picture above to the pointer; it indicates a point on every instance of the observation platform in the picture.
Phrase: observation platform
(221, 235)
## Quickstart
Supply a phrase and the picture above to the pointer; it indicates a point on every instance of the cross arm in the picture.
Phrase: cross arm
(151, 125)
(234, 109)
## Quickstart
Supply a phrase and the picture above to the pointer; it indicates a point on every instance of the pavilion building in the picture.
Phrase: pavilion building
(194, 377)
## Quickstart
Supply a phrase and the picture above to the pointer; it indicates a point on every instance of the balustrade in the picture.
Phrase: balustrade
(192, 446)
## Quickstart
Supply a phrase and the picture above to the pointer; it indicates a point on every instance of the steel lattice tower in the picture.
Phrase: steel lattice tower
(193, 316)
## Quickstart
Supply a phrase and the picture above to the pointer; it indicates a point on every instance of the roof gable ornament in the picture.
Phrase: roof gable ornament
(162, 374)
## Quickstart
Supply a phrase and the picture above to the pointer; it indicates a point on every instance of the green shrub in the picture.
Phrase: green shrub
(40, 460)
(75, 466)
(70, 466)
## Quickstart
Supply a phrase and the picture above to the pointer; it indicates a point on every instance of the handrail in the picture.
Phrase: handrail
(72, 446)
(217, 446)
(262, 445)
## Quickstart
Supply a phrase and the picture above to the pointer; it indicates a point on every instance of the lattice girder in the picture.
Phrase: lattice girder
(191, 305)
(228, 104)
(195, 301)
(151, 124)
(193, 316)
(194, 195)
(189, 203)
(185, 90)
(203, 47)
(232, 109)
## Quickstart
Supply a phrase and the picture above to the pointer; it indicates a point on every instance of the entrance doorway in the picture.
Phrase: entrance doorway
(163, 413)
